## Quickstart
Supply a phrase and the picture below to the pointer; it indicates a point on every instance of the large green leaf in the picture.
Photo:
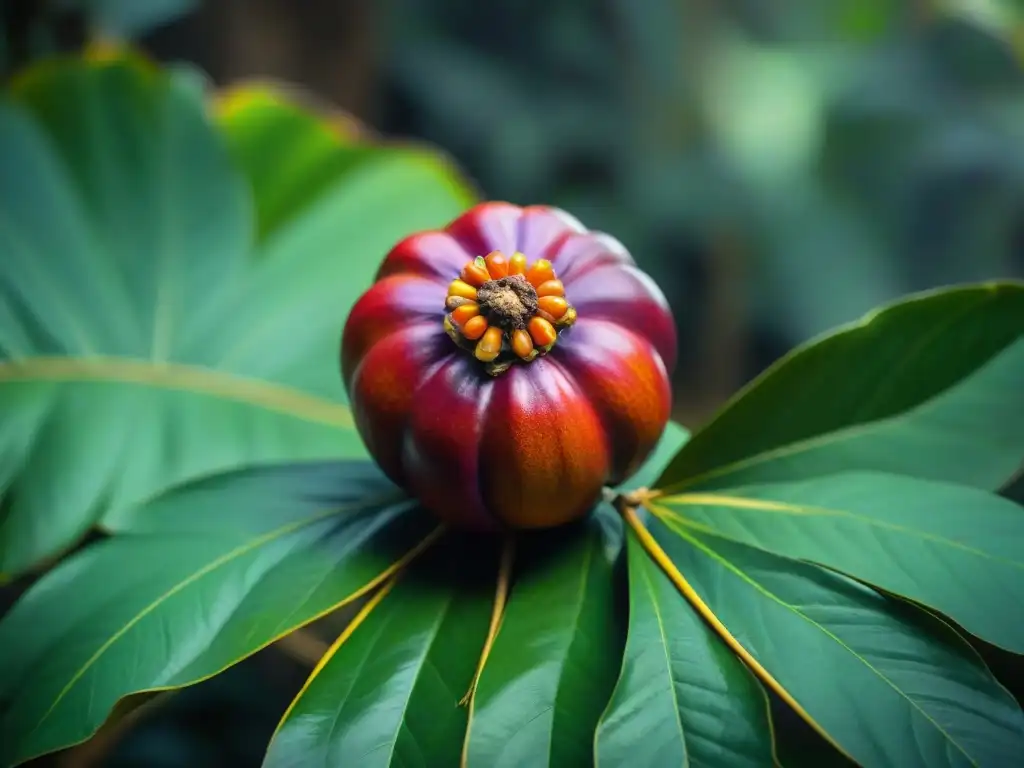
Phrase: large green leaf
(890, 684)
(330, 218)
(953, 548)
(291, 157)
(683, 698)
(929, 387)
(141, 343)
(389, 692)
(294, 158)
(554, 662)
(198, 579)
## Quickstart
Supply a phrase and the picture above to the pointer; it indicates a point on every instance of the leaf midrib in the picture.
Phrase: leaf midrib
(820, 440)
(811, 511)
(574, 624)
(210, 567)
(649, 585)
(181, 377)
(573, 629)
(421, 663)
(360, 666)
(758, 587)
(794, 448)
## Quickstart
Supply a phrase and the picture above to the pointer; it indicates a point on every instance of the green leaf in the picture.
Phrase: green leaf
(672, 439)
(683, 698)
(199, 578)
(141, 342)
(928, 387)
(952, 548)
(290, 157)
(295, 158)
(553, 664)
(332, 219)
(388, 691)
(890, 684)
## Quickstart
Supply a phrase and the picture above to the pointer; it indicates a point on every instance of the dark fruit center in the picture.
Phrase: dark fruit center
(508, 302)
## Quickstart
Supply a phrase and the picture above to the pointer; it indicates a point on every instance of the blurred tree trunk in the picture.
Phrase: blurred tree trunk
(327, 46)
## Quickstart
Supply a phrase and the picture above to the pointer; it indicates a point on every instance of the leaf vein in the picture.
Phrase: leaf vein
(757, 586)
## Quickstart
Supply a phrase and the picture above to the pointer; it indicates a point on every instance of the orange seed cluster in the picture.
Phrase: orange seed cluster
(506, 310)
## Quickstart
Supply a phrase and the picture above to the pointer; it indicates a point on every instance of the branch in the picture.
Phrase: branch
(303, 646)
(126, 714)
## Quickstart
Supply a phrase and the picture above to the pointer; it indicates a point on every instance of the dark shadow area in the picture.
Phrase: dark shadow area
(798, 744)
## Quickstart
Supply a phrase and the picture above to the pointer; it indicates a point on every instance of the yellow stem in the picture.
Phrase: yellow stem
(353, 625)
(497, 614)
(690, 594)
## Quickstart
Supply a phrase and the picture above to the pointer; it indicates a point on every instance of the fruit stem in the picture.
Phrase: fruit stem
(497, 614)
(683, 586)
(631, 500)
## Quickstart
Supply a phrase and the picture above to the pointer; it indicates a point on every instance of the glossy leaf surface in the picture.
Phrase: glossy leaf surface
(553, 665)
(388, 693)
(955, 549)
(328, 210)
(683, 698)
(889, 684)
(291, 156)
(928, 387)
(143, 343)
(199, 578)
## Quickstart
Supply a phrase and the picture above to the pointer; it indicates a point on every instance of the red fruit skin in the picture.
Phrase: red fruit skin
(532, 447)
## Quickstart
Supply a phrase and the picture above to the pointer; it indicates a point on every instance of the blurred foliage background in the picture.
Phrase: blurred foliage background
(779, 167)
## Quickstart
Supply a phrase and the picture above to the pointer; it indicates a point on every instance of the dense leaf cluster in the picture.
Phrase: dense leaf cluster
(175, 271)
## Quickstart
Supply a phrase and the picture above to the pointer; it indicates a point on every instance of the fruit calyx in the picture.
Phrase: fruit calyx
(504, 311)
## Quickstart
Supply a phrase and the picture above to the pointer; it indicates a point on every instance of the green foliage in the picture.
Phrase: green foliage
(877, 527)
(838, 647)
(553, 664)
(682, 698)
(140, 314)
(929, 387)
(389, 693)
(833, 541)
(219, 569)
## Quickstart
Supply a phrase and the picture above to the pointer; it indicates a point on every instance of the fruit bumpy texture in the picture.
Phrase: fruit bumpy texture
(507, 367)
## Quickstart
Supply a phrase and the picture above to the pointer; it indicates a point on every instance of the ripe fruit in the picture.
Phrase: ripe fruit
(506, 368)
